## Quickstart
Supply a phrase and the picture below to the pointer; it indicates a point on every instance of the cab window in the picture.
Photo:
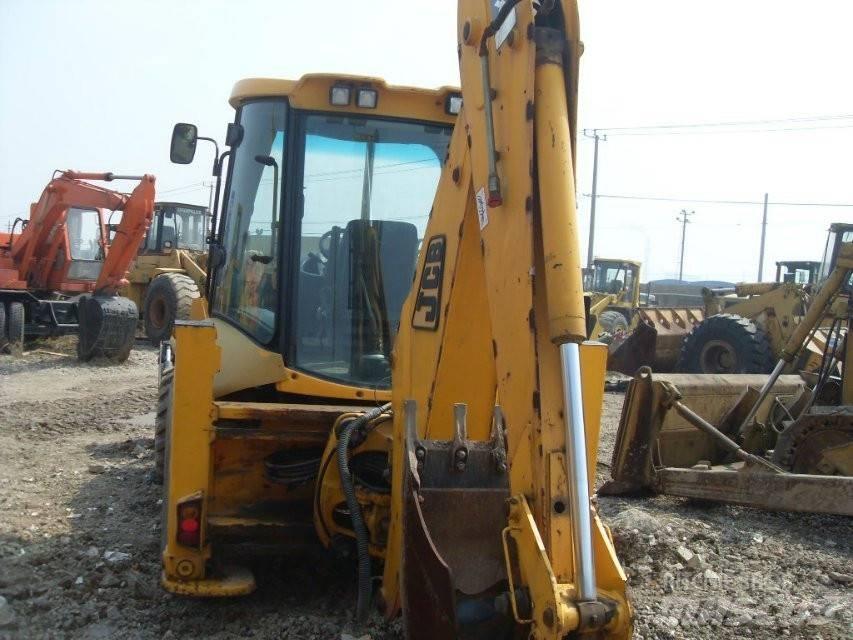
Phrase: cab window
(247, 281)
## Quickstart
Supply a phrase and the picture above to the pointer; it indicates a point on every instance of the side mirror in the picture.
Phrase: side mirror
(184, 140)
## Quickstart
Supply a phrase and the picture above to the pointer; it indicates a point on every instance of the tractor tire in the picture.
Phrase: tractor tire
(613, 321)
(15, 327)
(3, 338)
(162, 422)
(169, 297)
(726, 343)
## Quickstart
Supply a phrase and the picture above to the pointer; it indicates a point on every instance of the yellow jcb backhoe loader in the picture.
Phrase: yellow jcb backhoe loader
(773, 441)
(463, 460)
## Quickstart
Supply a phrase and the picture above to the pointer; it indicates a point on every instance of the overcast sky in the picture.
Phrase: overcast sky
(97, 85)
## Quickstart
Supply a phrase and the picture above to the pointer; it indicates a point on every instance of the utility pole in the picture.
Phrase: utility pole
(763, 237)
(684, 218)
(596, 137)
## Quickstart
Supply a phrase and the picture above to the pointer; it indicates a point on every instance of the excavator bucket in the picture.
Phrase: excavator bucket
(107, 327)
(455, 510)
(676, 436)
(656, 340)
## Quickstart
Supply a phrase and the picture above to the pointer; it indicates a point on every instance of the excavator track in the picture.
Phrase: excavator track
(107, 327)
(820, 442)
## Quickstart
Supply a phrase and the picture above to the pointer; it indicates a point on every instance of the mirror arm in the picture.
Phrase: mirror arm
(216, 166)
(213, 236)
(214, 229)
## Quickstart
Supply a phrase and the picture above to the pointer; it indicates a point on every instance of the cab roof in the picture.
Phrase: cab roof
(633, 263)
(312, 91)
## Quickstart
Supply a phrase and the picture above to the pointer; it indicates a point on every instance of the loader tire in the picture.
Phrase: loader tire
(613, 321)
(169, 297)
(15, 327)
(3, 337)
(162, 422)
(726, 343)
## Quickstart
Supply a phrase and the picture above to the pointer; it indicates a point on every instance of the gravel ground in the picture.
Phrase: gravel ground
(79, 537)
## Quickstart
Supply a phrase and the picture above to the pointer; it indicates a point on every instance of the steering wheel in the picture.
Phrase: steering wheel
(325, 244)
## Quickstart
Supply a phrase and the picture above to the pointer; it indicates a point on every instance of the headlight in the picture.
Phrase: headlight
(339, 95)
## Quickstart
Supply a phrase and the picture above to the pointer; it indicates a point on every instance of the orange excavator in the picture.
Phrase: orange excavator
(60, 273)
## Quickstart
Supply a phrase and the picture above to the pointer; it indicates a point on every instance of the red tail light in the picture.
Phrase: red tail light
(189, 523)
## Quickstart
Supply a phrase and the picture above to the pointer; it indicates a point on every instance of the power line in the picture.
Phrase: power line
(662, 128)
(710, 201)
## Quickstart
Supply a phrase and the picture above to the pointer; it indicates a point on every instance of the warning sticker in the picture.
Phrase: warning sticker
(508, 24)
(482, 208)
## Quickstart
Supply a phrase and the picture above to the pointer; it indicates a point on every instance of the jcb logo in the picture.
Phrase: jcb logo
(428, 302)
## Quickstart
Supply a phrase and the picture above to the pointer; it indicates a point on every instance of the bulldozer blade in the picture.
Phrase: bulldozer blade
(772, 491)
(651, 437)
(107, 327)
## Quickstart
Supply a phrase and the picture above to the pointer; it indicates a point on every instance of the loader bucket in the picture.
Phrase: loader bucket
(656, 341)
(635, 350)
(107, 327)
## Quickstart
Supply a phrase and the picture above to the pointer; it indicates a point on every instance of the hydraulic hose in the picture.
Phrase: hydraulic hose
(362, 539)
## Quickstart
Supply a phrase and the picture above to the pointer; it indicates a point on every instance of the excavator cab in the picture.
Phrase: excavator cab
(86, 241)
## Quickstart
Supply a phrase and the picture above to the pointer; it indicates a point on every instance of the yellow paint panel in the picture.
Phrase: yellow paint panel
(312, 92)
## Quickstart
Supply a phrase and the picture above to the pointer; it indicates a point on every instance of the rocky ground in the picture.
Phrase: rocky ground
(79, 536)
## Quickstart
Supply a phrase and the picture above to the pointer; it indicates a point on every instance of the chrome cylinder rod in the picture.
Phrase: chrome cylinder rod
(494, 185)
(577, 474)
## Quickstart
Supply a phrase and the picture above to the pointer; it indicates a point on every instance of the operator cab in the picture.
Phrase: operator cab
(86, 240)
(839, 232)
(617, 277)
(328, 192)
(176, 226)
(804, 272)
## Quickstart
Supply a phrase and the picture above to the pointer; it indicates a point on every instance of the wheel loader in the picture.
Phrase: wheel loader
(742, 329)
(169, 272)
(613, 286)
(777, 442)
(395, 357)
(62, 270)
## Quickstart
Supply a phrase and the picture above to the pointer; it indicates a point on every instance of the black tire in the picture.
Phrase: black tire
(162, 422)
(612, 321)
(169, 298)
(3, 338)
(726, 343)
(15, 326)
